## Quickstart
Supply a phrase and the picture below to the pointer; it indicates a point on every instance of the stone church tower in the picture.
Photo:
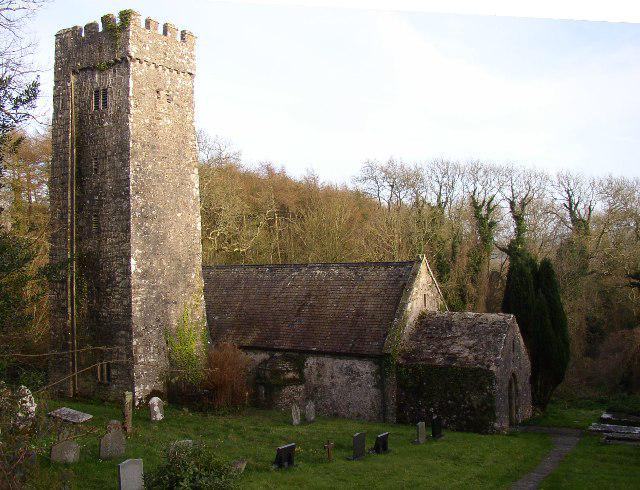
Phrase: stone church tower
(125, 204)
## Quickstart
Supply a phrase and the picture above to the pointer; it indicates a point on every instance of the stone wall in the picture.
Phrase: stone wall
(514, 363)
(339, 386)
(138, 249)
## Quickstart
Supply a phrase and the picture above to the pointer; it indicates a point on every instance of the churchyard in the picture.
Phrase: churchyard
(457, 460)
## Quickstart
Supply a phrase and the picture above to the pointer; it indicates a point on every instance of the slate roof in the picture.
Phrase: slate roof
(327, 308)
(457, 339)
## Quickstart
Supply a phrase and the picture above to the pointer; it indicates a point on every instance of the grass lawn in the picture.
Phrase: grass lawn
(595, 465)
(459, 460)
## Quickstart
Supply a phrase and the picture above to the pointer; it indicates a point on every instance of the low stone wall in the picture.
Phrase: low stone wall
(339, 386)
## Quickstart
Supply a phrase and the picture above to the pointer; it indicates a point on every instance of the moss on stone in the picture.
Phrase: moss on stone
(462, 397)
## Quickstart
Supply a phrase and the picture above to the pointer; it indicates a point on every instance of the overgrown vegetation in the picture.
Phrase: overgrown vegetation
(187, 346)
(193, 466)
(226, 377)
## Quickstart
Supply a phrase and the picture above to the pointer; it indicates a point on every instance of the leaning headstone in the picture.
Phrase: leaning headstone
(284, 456)
(329, 448)
(156, 409)
(421, 433)
(65, 452)
(127, 411)
(130, 475)
(113, 444)
(436, 427)
(26, 414)
(295, 414)
(310, 411)
(239, 465)
(381, 445)
(359, 446)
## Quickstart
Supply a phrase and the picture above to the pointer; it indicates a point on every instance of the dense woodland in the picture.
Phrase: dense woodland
(461, 215)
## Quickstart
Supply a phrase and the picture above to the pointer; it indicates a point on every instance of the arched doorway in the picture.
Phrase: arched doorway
(513, 400)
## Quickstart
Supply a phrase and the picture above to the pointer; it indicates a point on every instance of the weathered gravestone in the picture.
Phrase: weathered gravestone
(26, 415)
(295, 414)
(329, 448)
(113, 444)
(436, 427)
(310, 411)
(284, 456)
(381, 445)
(127, 411)
(359, 446)
(70, 415)
(421, 433)
(156, 409)
(131, 475)
(65, 452)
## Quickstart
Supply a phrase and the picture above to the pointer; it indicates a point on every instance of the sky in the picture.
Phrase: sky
(323, 88)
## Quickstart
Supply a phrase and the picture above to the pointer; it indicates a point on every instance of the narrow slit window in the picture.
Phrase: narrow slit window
(104, 372)
(424, 300)
(95, 166)
(104, 98)
(94, 222)
(96, 100)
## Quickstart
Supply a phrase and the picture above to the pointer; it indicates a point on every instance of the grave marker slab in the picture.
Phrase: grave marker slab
(65, 452)
(359, 446)
(310, 411)
(421, 433)
(131, 475)
(295, 414)
(381, 445)
(178, 447)
(70, 415)
(285, 456)
(113, 444)
(127, 411)
(239, 465)
(156, 409)
(436, 427)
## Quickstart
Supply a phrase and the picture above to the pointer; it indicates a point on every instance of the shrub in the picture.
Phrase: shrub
(195, 467)
(226, 376)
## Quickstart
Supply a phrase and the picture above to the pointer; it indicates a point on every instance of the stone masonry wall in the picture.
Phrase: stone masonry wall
(137, 205)
(339, 386)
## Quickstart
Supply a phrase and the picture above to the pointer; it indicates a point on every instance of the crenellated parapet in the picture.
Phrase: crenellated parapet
(114, 40)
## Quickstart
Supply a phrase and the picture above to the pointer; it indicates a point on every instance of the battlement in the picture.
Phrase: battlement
(126, 37)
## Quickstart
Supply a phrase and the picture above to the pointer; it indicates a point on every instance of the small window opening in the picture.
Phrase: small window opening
(94, 222)
(105, 99)
(104, 372)
(94, 165)
(424, 300)
(96, 100)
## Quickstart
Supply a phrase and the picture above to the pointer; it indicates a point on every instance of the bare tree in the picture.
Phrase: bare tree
(216, 151)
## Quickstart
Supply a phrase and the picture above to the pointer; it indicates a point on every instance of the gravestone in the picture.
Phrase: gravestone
(359, 446)
(421, 433)
(156, 409)
(310, 411)
(295, 414)
(26, 414)
(130, 475)
(127, 411)
(65, 452)
(113, 444)
(284, 456)
(436, 427)
(329, 448)
(381, 445)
